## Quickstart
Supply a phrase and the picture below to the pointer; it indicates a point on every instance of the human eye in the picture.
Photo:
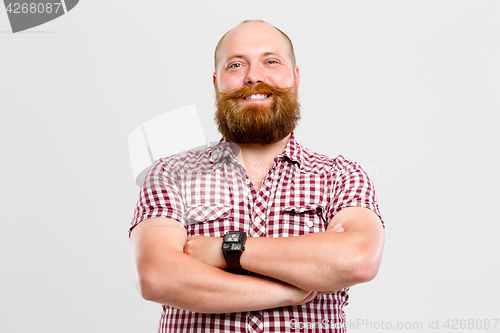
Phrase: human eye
(234, 65)
(272, 62)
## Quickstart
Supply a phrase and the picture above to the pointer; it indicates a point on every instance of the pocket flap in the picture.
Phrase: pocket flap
(205, 213)
(302, 209)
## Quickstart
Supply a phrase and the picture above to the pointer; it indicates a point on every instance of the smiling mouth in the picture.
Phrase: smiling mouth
(257, 96)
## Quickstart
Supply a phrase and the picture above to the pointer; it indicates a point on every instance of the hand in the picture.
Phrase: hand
(299, 296)
(207, 250)
(310, 295)
(336, 228)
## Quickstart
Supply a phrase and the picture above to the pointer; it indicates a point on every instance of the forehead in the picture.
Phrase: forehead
(253, 39)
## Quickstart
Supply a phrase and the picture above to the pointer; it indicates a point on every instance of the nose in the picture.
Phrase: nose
(254, 75)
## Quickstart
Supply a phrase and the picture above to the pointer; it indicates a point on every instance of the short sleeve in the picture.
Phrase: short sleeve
(159, 195)
(352, 187)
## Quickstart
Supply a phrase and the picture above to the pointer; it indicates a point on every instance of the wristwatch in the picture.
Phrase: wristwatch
(233, 245)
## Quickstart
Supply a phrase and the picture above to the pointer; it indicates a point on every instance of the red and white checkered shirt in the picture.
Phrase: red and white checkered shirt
(209, 192)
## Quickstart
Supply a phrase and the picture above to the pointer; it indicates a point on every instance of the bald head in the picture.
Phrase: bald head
(250, 24)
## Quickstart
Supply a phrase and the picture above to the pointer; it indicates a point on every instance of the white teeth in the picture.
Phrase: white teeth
(258, 96)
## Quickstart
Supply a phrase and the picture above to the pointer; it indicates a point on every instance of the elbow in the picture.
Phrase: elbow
(147, 287)
(366, 262)
(152, 288)
(356, 270)
(365, 269)
(366, 272)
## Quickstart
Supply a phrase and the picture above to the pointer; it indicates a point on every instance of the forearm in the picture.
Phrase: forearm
(192, 285)
(325, 261)
(316, 261)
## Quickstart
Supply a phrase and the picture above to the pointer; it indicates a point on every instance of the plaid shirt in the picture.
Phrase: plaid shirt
(209, 192)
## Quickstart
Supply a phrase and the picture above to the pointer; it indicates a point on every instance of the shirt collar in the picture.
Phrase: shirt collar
(220, 151)
(293, 151)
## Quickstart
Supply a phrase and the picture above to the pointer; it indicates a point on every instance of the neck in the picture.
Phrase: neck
(257, 151)
(257, 159)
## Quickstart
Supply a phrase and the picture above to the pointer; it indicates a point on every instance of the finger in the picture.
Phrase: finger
(336, 227)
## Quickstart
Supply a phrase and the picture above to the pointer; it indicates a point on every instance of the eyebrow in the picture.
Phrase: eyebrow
(266, 54)
(271, 54)
(235, 56)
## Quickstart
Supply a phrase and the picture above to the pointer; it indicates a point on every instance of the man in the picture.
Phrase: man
(312, 222)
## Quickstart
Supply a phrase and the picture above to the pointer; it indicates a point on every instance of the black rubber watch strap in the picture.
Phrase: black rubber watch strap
(233, 261)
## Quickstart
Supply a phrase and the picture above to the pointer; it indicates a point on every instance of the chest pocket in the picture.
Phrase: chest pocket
(304, 219)
(208, 220)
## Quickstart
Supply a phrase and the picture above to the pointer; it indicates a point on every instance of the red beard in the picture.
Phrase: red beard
(251, 123)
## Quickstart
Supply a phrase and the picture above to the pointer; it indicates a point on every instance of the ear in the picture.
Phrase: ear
(297, 76)
(214, 79)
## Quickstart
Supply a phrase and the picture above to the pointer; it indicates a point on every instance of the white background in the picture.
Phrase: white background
(409, 89)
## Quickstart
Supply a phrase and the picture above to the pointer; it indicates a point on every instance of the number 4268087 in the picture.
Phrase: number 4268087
(25, 8)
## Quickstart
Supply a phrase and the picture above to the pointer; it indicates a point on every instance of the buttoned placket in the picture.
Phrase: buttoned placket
(258, 201)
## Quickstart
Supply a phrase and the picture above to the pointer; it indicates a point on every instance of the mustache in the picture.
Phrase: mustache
(261, 88)
(253, 123)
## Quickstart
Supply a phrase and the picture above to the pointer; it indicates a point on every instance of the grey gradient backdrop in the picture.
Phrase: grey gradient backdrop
(409, 89)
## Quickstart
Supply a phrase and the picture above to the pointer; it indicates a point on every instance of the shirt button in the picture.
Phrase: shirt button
(310, 224)
(247, 181)
(257, 219)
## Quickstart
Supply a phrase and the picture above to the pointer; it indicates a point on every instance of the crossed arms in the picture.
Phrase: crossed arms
(170, 269)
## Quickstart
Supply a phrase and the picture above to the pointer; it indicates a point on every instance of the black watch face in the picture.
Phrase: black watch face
(232, 238)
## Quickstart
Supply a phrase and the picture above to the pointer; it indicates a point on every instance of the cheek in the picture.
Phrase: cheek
(282, 80)
(227, 83)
